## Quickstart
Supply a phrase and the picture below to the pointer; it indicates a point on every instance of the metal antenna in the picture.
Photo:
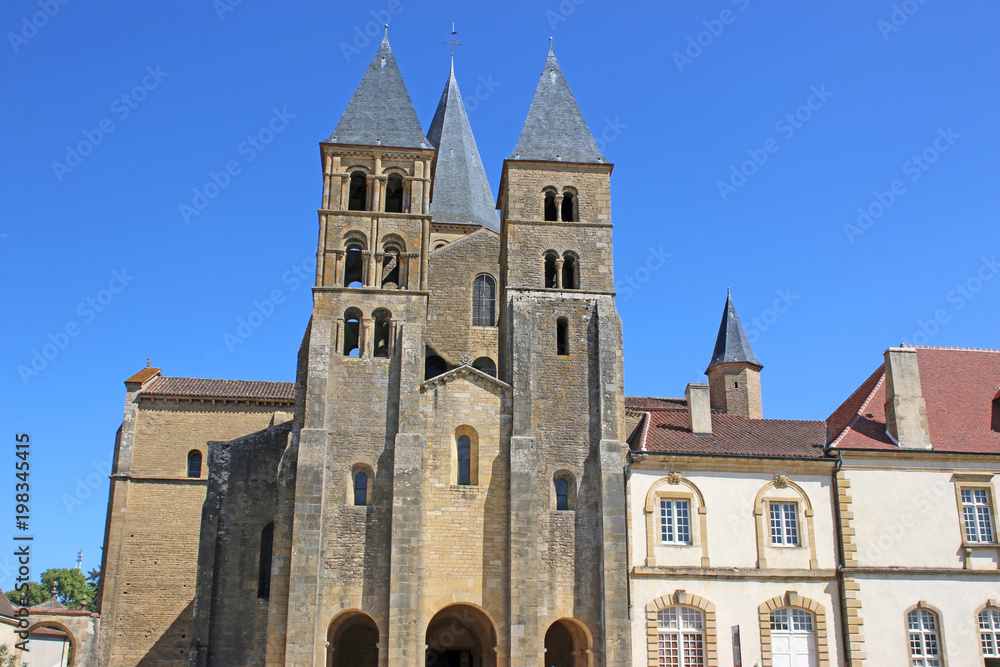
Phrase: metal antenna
(79, 559)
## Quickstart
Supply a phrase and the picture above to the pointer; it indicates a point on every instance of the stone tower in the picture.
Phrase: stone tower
(734, 372)
(561, 351)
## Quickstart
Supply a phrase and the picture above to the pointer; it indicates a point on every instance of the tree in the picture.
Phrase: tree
(72, 587)
(35, 593)
(7, 658)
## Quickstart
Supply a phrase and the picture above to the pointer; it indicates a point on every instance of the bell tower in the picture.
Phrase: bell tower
(561, 351)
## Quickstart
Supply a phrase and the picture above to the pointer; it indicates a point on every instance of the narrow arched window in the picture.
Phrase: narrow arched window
(352, 333)
(194, 463)
(390, 268)
(562, 336)
(550, 206)
(484, 301)
(464, 460)
(394, 194)
(562, 494)
(360, 488)
(354, 266)
(568, 207)
(434, 366)
(550, 270)
(925, 642)
(358, 193)
(383, 333)
(486, 365)
(989, 632)
(264, 562)
(569, 272)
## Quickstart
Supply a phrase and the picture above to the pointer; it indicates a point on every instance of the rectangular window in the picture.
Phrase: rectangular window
(784, 524)
(977, 516)
(675, 521)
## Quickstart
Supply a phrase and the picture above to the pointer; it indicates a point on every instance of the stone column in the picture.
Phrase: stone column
(345, 187)
(327, 180)
(405, 641)
(525, 591)
(559, 267)
(338, 267)
(424, 245)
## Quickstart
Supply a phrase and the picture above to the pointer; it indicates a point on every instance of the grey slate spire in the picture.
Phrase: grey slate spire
(732, 345)
(461, 191)
(555, 130)
(380, 113)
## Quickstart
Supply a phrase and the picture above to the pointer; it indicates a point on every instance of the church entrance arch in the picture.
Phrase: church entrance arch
(567, 644)
(352, 641)
(461, 636)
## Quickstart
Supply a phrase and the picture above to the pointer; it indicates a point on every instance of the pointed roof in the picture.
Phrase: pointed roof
(732, 345)
(555, 130)
(380, 113)
(461, 191)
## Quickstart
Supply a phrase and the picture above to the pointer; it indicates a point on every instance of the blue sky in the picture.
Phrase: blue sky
(746, 137)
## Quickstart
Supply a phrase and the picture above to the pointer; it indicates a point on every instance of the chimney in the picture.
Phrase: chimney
(699, 409)
(905, 409)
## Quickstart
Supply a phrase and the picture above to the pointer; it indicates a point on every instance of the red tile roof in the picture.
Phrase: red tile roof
(665, 429)
(143, 375)
(959, 386)
(201, 388)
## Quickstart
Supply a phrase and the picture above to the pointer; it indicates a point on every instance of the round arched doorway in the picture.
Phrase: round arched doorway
(566, 644)
(461, 636)
(352, 641)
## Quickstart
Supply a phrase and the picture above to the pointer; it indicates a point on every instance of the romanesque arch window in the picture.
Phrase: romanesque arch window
(352, 332)
(434, 366)
(464, 460)
(570, 271)
(484, 301)
(486, 365)
(680, 632)
(569, 208)
(352, 641)
(465, 469)
(550, 270)
(551, 211)
(382, 344)
(354, 265)
(564, 486)
(358, 192)
(567, 644)
(989, 632)
(394, 194)
(923, 626)
(264, 561)
(360, 488)
(194, 463)
(392, 251)
(562, 336)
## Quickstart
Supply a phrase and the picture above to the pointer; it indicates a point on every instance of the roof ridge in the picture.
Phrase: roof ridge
(857, 414)
(959, 349)
(464, 238)
(185, 377)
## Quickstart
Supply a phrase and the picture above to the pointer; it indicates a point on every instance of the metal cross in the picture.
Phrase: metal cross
(451, 42)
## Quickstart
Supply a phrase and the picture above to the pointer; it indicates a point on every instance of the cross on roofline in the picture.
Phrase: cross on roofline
(452, 42)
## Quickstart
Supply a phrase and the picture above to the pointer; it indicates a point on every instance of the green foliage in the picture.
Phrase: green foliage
(72, 587)
(94, 576)
(6, 656)
(35, 592)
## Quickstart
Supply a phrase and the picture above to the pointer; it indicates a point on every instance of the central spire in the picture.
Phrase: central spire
(381, 113)
(555, 130)
(461, 192)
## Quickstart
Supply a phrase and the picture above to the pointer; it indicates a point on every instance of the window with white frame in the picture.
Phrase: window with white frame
(989, 632)
(784, 523)
(680, 637)
(675, 521)
(793, 638)
(925, 646)
(977, 516)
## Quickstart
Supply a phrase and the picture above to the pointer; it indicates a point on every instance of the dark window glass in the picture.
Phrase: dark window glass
(567, 207)
(550, 206)
(484, 301)
(562, 494)
(264, 568)
(358, 192)
(464, 460)
(194, 464)
(361, 489)
(394, 194)
(562, 336)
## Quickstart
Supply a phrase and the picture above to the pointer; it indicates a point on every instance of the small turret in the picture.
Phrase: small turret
(734, 372)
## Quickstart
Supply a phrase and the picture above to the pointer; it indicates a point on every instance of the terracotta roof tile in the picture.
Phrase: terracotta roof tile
(665, 429)
(203, 388)
(143, 375)
(959, 386)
